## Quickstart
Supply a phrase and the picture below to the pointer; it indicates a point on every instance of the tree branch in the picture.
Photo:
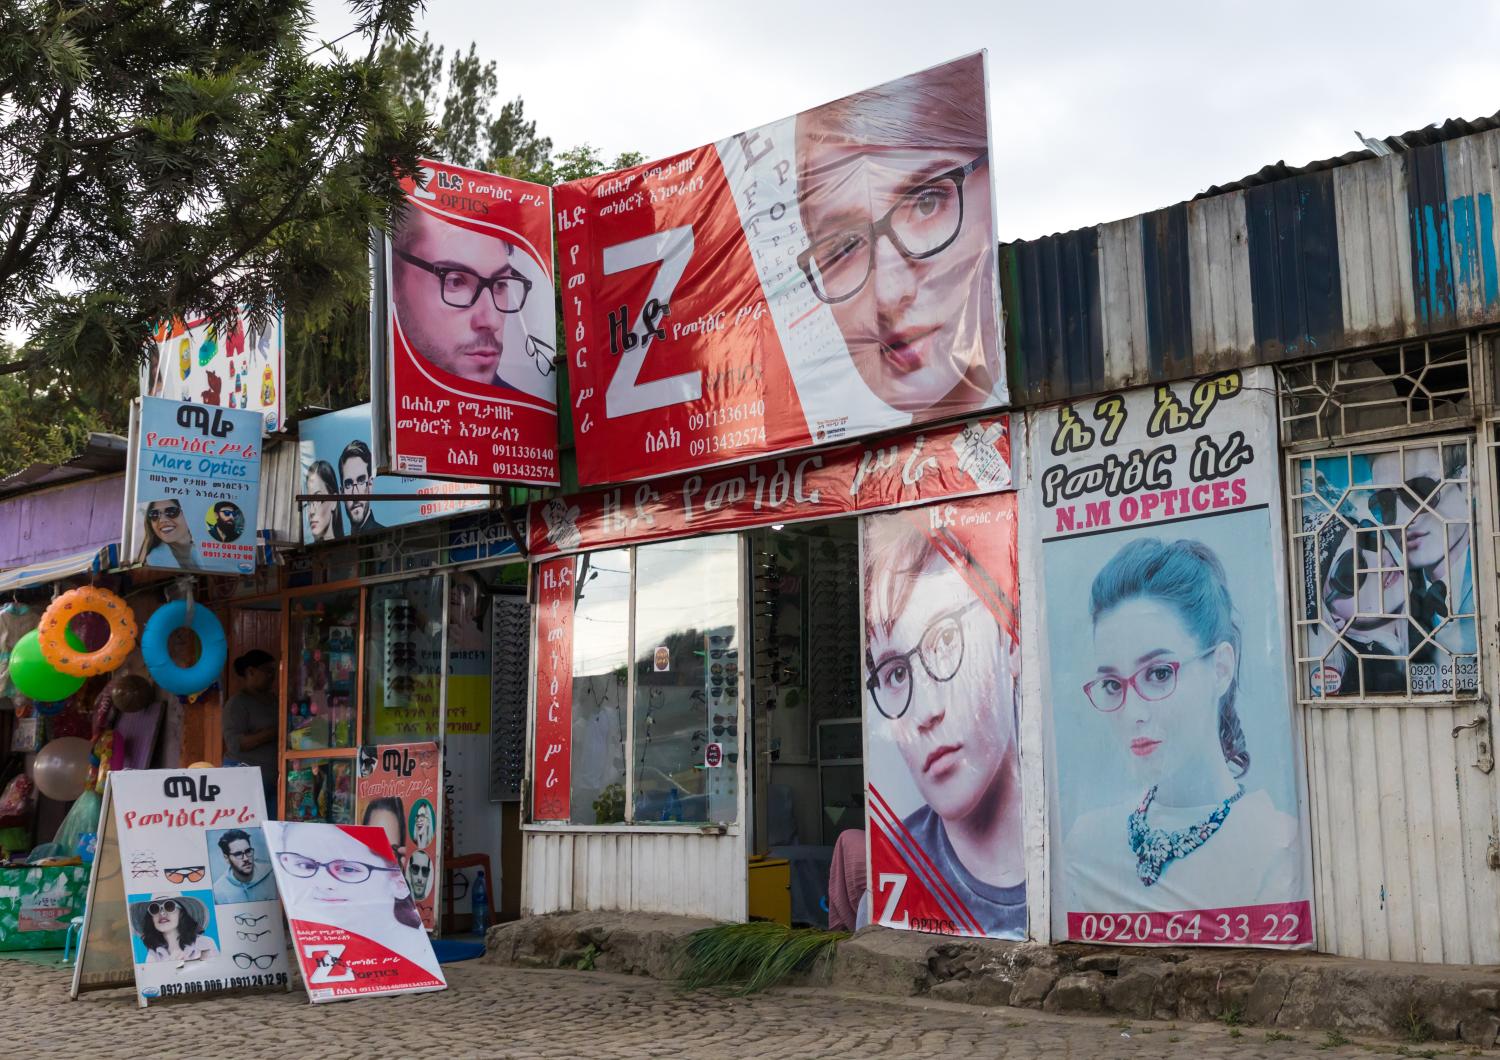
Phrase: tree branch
(23, 220)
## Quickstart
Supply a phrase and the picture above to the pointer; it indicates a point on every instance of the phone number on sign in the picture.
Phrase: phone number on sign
(729, 440)
(749, 410)
(1271, 925)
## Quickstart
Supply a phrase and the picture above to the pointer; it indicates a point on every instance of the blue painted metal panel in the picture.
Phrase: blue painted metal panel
(1431, 254)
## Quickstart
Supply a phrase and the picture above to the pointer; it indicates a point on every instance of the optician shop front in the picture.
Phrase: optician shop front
(697, 743)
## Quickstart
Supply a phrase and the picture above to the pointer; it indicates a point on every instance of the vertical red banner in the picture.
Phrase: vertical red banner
(551, 769)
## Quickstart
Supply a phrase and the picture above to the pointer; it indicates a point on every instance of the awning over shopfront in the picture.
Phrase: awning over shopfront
(89, 561)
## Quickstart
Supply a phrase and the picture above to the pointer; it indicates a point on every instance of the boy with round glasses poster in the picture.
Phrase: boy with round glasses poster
(1177, 813)
(941, 671)
(471, 383)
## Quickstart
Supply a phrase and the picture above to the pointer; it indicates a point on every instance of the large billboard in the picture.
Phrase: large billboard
(469, 379)
(244, 369)
(334, 452)
(1176, 809)
(942, 669)
(820, 278)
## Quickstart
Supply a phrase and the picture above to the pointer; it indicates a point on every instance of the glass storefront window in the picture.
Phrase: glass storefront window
(324, 656)
(320, 789)
(601, 657)
(404, 663)
(686, 682)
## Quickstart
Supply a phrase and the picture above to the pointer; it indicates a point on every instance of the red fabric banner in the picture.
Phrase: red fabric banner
(551, 772)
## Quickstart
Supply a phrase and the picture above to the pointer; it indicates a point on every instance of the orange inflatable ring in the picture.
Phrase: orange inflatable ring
(62, 656)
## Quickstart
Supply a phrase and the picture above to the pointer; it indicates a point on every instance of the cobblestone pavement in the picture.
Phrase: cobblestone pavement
(493, 1011)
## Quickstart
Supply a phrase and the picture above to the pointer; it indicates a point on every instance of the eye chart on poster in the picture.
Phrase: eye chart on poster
(1176, 807)
(184, 875)
(355, 929)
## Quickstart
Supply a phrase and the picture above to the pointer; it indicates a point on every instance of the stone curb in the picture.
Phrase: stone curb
(1263, 989)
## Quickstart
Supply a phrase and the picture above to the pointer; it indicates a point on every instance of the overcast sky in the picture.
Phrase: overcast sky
(1099, 110)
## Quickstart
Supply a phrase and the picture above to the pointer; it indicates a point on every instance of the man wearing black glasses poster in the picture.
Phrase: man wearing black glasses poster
(456, 290)
(357, 477)
(245, 875)
(941, 666)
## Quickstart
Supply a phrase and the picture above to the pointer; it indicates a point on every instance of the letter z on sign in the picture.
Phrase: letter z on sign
(625, 396)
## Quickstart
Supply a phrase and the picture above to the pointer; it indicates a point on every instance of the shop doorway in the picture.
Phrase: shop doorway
(805, 734)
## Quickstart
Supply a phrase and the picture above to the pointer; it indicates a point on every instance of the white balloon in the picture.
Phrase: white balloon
(61, 768)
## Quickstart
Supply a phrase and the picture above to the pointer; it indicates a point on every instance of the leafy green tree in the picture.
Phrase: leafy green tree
(168, 158)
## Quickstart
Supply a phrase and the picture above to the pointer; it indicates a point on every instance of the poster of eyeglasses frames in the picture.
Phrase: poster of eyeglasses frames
(195, 498)
(815, 279)
(241, 366)
(355, 928)
(177, 933)
(1177, 811)
(336, 458)
(1387, 571)
(942, 664)
(467, 373)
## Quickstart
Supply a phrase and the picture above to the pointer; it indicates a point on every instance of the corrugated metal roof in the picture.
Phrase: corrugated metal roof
(103, 454)
(1451, 129)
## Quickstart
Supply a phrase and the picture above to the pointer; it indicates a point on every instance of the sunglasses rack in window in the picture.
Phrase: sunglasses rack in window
(833, 628)
(776, 620)
(508, 666)
(400, 666)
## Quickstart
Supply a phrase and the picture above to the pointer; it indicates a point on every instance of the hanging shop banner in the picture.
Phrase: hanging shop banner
(245, 369)
(196, 499)
(817, 279)
(472, 326)
(957, 460)
(942, 670)
(1387, 573)
(1175, 800)
(355, 930)
(552, 741)
(188, 881)
(398, 790)
(334, 450)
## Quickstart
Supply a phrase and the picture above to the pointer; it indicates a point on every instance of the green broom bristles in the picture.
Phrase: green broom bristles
(751, 956)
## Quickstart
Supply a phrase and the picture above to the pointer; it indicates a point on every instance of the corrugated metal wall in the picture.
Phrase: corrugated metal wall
(1401, 825)
(688, 874)
(1377, 251)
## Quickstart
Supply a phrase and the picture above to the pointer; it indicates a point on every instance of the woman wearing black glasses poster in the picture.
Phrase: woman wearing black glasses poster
(355, 928)
(893, 185)
(167, 541)
(942, 662)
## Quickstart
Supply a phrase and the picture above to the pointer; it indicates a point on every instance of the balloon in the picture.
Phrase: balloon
(130, 693)
(35, 678)
(202, 765)
(61, 768)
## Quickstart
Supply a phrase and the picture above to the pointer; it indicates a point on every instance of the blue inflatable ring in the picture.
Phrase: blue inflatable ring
(184, 680)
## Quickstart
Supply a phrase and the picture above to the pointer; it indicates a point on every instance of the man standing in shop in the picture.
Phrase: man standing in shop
(357, 476)
(250, 720)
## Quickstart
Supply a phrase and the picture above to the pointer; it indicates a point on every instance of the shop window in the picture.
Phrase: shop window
(601, 660)
(655, 684)
(1415, 385)
(686, 681)
(324, 644)
(404, 666)
(1384, 535)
